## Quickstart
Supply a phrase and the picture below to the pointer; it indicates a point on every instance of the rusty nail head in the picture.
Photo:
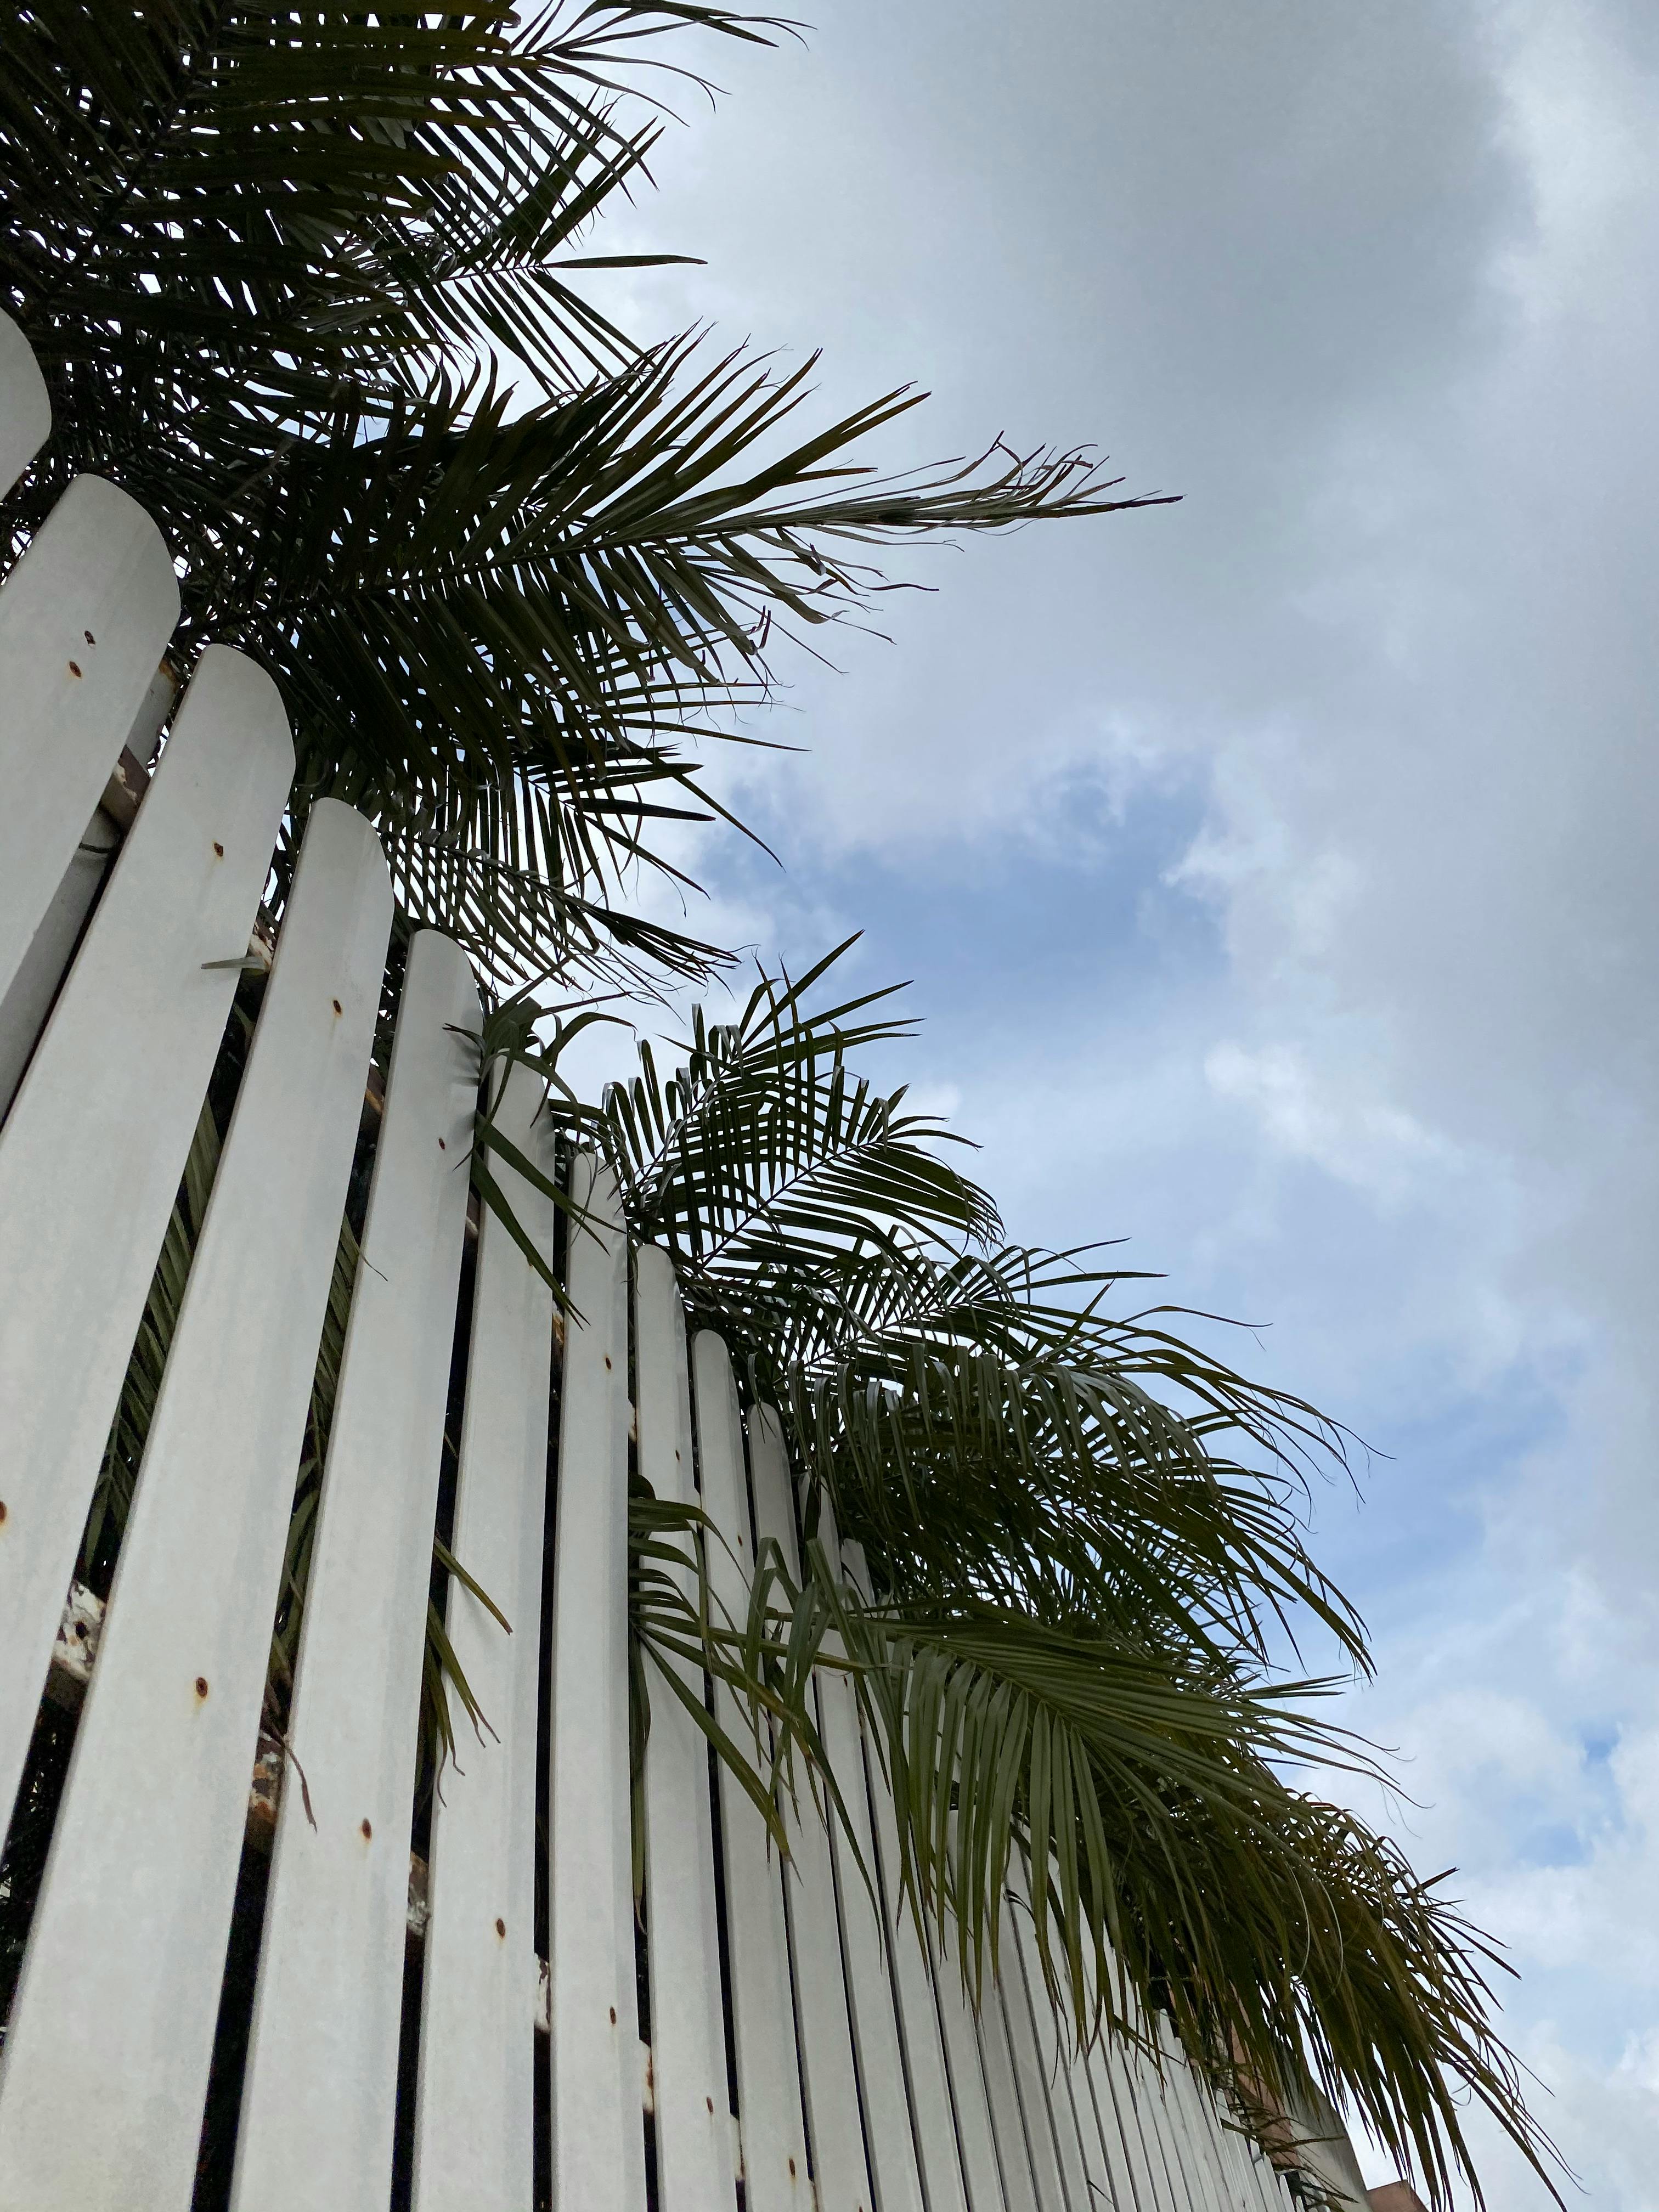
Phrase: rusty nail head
(337, 1005)
(442, 1147)
(75, 668)
(613, 2015)
(201, 1685)
(710, 2101)
(500, 1927)
(89, 636)
(218, 848)
(3, 1509)
(367, 1830)
(792, 2166)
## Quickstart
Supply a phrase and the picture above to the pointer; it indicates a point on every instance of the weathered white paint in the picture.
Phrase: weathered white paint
(688, 2036)
(329, 1997)
(83, 619)
(105, 2064)
(473, 2121)
(597, 2143)
(89, 1165)
(830, 2083)
(25, 408)
(772, 2122)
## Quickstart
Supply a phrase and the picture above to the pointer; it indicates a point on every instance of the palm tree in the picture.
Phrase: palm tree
(281, 269)
(307, 284)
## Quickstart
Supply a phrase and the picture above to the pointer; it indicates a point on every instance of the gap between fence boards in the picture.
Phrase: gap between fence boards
(72, 1657)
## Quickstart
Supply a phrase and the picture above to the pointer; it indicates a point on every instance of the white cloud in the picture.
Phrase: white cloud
(1379, 291)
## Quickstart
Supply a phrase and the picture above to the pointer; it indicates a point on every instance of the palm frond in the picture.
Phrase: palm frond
(281, 268)
(1173, 1868)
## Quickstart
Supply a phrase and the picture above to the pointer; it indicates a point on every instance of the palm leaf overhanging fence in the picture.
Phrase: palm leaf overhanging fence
(496, 628)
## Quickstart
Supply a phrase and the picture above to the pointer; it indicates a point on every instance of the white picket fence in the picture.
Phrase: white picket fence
(860, 2078)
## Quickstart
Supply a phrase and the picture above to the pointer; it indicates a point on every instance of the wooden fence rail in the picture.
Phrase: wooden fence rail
(804, 2045)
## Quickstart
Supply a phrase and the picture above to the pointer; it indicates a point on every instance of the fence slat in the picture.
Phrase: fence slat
(839, 2167)
(329, 1996)
(1160, 2116)
(1007, 2120)
(872, 1991)
(930, 2091)
(598, 2155)
(1124, 2080)
(84, 617)
(688, 2035)
(1232, 2181)
(1029, 2075)
(1051, 2057)
(473, 2122)
(966, 2070)
(25, 408)
(1103, 2141)
(1102, 2149)
(771, 2119)
(106, 2064)
(1193, 2101)
(92, 1151)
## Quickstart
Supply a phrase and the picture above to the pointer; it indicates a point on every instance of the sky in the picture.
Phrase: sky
(1275, 870)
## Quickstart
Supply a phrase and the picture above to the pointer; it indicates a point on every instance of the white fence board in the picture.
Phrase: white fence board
(931, 2109)
(1144, 2115)
(84, 617)
(870, 1982)
(1050, 2057)
(93, 1149)
(770, 2109)
(1007, 2120)
(839, 2168)
(598, 2139)
(329, 1997)
(25, 408)
(1190, 2102)
(966, 2069)
(1091, 2095)
(1116, 2106)
(473, 2119)
(105, 2067)
(688, 2034)
(1158, 2113)
(1029, 2074)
